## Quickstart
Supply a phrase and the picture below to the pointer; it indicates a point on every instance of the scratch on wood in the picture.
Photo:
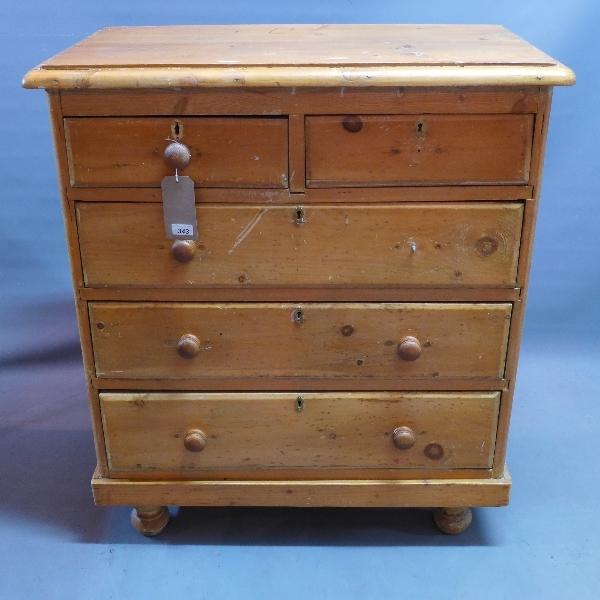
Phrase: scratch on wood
(248, 229)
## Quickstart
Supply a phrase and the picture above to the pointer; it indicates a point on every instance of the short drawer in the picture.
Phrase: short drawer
(188, 434)
(226, 151)
(395, 150)
(418, 245)
(266, 341)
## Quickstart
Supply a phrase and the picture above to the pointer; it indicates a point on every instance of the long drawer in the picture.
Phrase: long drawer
(394, 150)
(266, 341)
(186, 434)
(226, 151)
(419, 245)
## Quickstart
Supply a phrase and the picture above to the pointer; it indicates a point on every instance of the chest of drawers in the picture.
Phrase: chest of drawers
(344, 331)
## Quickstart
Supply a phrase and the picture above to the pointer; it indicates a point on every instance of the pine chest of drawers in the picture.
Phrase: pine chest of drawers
(344, 331)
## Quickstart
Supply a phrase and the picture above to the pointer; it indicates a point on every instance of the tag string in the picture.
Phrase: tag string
(176, 170)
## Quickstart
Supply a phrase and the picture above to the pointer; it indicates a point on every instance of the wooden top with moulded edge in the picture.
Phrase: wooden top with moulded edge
(195, 56)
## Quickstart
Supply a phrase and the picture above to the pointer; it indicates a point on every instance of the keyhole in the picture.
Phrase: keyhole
(299, 217)
(299, 404)
(298, 315)
(177, 130)
(420, 129)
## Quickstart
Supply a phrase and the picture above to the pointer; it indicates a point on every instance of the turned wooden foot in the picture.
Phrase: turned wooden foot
(452, 520)
(150, 520)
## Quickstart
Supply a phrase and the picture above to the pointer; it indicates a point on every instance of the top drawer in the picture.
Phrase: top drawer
(226, 151)
(393, 150)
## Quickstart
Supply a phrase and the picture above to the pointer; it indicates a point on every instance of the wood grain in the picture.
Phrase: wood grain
(412, 150)
(266, 341)
(305, 473)
(289, 383)
(454, 245)
(320, 76)
(296, 45)
(294, 55)
(145, 432)
(226, 152)
(335, 493)
(525, 258)
(300, 101)
(83, 326)
(297, 153)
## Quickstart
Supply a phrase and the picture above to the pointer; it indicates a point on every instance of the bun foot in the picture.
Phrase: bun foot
(452, 520)
(150, 520)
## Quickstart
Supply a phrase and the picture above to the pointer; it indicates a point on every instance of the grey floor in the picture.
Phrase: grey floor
(55, 544)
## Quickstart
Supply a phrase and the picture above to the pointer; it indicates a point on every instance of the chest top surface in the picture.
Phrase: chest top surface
(298, 55)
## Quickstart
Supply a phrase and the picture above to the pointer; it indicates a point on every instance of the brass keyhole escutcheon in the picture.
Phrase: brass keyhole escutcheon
(299, 404)
(420, 129)
(298, 315)
(176, 130)
(299, 216)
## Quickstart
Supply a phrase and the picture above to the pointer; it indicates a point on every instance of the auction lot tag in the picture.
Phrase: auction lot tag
(179, 208)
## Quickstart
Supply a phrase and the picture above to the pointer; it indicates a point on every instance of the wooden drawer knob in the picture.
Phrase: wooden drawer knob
(409, 348)
(177, 155)
(352, 123)
(188, 345)
(183, 250)
(195, 440)
(403, 438)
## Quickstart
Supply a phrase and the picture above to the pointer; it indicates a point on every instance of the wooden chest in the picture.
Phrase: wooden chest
(344, 331)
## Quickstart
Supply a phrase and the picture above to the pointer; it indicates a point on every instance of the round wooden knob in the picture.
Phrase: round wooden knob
(409, 348)
(404, 438)
(188, 345)
(183, 250)
(352, 123)
(195, 440)
(177, 155)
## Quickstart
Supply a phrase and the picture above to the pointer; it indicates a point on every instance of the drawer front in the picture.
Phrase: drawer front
(418, 245)
(226, 151)
(390, 150)
(315, 340)
(187, 433)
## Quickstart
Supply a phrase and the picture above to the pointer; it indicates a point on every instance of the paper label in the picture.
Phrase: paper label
(182, 229)
(179, 208)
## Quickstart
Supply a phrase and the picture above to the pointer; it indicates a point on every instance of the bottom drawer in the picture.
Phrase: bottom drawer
(199, 434)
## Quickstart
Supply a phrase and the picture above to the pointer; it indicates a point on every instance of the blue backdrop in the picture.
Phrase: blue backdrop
(548, 540)
(565, 279)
